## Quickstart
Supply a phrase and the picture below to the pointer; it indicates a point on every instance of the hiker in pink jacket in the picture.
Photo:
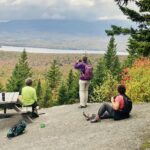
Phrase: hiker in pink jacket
(120, 108)
(84, 81)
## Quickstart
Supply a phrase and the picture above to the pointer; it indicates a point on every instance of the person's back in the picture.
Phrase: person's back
(28, 95)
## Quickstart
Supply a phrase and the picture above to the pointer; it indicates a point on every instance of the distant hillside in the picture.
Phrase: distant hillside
(95, 28)
(71, 34)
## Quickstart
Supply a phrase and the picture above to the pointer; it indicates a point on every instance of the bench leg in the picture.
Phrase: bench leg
(5, 110)
(17, 109)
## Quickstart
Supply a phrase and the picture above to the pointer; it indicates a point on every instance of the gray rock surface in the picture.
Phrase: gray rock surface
(67, 129)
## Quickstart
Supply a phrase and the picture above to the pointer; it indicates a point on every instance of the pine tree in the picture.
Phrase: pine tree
(19, 74)
(139, 41)
(98, 77)
(99, 73)
(53, 75)
(111, 59)
(39, 90)
(70, 79)
(74, 92)
(47, 97)
(123, 1)
(62, 94)
(70, 84)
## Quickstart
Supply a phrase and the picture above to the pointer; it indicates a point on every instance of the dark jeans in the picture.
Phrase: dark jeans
(34, 105)
(106, 111)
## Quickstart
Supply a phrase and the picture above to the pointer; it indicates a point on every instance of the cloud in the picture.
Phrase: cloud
(84, 3)
(59, 9)
(55, 16)
(119, 17)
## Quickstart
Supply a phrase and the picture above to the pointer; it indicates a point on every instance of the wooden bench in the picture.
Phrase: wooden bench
(9, 100)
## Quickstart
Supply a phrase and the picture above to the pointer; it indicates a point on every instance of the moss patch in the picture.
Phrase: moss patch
(146, 145)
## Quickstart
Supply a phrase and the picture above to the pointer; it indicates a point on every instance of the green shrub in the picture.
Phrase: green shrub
(137, 80)
(105, 91)
(1, 87)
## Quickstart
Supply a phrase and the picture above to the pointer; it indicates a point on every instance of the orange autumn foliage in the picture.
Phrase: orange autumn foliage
(137, 80)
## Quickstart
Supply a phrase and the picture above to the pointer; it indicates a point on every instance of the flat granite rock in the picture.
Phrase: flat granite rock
(66, 129)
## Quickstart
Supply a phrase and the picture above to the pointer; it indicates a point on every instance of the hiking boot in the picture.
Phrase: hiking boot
(87, 117)
(96, 119)
(35, 115)
(82, 106)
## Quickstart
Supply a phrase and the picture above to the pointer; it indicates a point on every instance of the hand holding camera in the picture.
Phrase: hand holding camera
(112, 99)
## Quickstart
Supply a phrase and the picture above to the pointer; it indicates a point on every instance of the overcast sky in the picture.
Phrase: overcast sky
(60, 9)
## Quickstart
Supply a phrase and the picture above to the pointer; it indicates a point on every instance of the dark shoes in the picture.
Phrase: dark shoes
(82, 106)
(35, 114)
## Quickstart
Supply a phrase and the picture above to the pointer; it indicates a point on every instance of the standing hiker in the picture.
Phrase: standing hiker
(86, 74)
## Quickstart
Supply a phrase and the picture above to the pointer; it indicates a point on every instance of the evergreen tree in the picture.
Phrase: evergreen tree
(111, 59)
(123, 1)
(73, 86)
(70, 84)
(53, 75)
(47, 97)
(74, 92)
(98, 77)
(62, 95)
(139, 41)
(39, 90)
(70, 79)
(99, 73)
(19, 74)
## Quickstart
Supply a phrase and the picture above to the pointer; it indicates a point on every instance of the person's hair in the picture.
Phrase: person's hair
(84, 59)
(121, 89)
(28, 81)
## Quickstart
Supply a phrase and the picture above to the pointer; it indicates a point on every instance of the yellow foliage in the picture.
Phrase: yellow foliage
(137, 80)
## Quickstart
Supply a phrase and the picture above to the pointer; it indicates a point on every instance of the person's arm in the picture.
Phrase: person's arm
(115, 103)
(78, 64)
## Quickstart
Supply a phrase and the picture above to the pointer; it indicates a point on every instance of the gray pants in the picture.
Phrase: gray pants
(106, 111)
(83, 91)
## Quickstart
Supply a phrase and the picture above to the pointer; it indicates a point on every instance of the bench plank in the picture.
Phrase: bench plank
(10, 97)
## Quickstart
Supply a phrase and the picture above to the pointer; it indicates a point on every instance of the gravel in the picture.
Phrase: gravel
(66, 129)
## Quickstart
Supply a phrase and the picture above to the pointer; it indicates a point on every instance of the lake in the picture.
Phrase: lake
(55, 51)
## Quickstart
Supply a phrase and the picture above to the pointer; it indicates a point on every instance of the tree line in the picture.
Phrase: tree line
(108, 72)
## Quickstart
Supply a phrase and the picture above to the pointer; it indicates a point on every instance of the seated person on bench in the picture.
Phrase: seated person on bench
(29, 97)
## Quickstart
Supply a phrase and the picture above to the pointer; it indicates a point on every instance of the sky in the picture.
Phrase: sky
(88, 10)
